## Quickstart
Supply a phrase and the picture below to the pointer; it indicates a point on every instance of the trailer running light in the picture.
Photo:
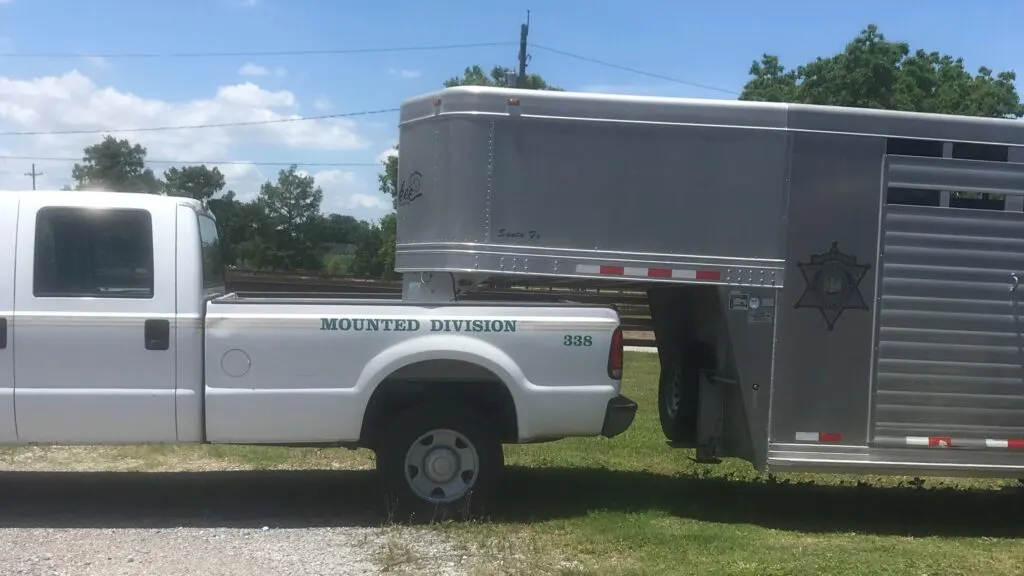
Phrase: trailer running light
(513, 101)
(615, 356)
(437, 101)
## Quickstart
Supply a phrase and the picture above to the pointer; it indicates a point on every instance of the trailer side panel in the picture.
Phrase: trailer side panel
(580, 187)
(820, 389)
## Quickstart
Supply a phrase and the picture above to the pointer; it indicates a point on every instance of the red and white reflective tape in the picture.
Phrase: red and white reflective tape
(635, 272)
(947, 442)
(1004, 443)
(821, 437)
(935, 441)
(917, 441)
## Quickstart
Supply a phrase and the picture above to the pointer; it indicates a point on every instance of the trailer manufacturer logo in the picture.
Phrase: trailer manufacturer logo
(409, 190)
(833, 284)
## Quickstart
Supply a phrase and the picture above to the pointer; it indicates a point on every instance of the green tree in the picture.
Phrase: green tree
(368, 260)
(245, 230)
(387, 181)
(872, 72)
(475, 76)
(115, 165)
(292, 206)
(197, 182)
(342, 229)
(388, 238)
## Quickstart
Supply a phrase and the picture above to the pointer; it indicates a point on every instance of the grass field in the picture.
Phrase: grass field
(633, 505)
(628, 505)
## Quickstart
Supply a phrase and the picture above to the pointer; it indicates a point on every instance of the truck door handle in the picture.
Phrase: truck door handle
(3, 333)
(158, 334)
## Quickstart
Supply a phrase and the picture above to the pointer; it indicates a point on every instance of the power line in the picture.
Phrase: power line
(211, 162)
(633, 70)
(197, 126)
(264, 53)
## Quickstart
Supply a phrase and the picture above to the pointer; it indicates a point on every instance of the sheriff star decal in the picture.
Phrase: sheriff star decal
(832, 284)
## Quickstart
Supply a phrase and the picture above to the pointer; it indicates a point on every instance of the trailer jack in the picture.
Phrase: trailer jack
(710, 416)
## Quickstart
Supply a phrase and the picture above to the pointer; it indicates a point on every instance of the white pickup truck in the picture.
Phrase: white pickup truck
(115, 328)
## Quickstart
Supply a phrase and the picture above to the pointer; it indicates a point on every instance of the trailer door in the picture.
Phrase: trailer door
(949, 326)
(8, 235)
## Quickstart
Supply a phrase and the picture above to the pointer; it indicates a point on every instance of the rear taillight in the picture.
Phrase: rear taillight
(615, 356)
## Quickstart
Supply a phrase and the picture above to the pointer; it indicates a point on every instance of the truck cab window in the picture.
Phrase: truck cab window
(95, 253)
(213, 259)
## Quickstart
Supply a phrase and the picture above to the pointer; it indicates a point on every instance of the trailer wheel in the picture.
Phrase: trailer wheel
(439, 461)
(677, 392)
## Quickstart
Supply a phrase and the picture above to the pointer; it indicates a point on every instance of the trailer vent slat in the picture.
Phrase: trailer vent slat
(950, 350)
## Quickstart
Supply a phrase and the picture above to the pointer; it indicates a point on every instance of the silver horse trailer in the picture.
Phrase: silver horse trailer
(832, 289)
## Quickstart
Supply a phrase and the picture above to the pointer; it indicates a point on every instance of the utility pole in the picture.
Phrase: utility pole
(33, 174)
(524, 31)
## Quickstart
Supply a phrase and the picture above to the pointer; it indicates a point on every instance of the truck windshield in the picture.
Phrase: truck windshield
(213, 259)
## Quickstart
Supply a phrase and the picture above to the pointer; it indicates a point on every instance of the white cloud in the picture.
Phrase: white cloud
(244, 179)
(405, 73)
(73, 101)
(359, 200)
(346, 193)
(251, 95)
(383, 156)
(250, 69)
(98, 62)
(322, 104)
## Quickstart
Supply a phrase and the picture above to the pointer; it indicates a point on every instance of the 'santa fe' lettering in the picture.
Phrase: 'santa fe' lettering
(413, 325)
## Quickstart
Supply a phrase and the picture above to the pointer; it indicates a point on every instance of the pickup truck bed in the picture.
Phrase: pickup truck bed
(304, 369)
(115, 328)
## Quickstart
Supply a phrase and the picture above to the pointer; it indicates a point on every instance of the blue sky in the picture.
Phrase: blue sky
(707, 43)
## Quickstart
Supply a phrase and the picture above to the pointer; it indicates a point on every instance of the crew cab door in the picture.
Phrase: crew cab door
(8, 234)
(94, 308)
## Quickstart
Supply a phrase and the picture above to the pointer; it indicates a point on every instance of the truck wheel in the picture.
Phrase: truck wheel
(677, 395)
(438, 461)
(670, 390)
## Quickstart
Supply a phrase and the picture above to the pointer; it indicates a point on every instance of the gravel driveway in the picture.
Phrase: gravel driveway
(213, 523)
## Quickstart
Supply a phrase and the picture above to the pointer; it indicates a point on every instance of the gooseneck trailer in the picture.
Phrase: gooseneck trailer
(832, 289)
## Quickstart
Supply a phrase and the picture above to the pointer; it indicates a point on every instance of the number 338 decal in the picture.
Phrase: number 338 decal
(577, 340)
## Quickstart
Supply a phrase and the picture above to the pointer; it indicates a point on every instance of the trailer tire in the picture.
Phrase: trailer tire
(439, 461)
(678, 388)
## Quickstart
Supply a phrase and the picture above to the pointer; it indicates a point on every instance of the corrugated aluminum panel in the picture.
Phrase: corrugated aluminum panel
(949, 358)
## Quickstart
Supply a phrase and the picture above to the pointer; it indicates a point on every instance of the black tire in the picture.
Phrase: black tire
(677, 395)
(405, 429)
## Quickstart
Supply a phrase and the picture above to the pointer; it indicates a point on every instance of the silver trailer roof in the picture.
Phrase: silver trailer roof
(480, 100)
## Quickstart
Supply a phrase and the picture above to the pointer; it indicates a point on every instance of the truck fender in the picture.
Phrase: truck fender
(441, 347)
